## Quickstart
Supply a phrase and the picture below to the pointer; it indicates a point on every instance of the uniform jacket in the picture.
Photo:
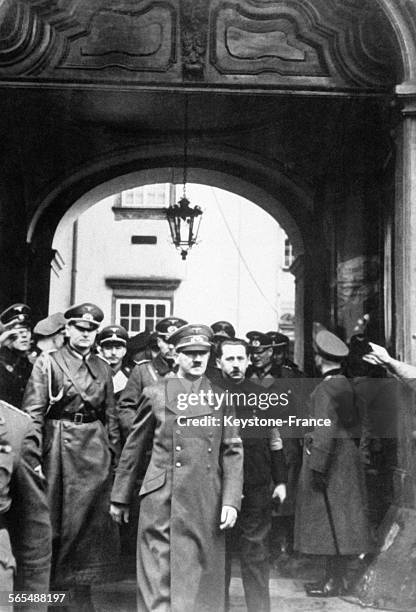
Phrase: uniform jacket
(191, 475)
(23, 503)
(333, 452)
(15, 369)
(278, 379)
(77, 462)
(144, 374)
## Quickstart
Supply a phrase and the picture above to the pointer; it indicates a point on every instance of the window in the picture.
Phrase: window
(136, 315)
(148, 196)
(288, 254)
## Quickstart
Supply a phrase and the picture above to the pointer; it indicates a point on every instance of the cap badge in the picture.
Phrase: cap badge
(171, 329)
(21, 317)
(88, 317)
(196, 339)
(255, 343)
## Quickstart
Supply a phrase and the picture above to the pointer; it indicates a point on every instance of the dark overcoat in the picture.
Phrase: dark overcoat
(333, 452)
(23, 505)
(193, 472)
(77, 462)
(277, 380)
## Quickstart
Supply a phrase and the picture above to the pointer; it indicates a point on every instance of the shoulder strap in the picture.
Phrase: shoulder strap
(60, 361)
(152, 371)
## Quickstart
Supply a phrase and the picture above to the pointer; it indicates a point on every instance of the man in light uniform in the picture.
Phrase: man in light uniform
(192, 488)
(148, 372)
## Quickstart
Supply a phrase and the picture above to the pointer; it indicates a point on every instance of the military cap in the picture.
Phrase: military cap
(329, 346)
(166, 327)
(223, 329)
(85, 315)
(113, 333)
(51, 325)
(278, 340)
(257, 341)
(17, 314)
(192, 336)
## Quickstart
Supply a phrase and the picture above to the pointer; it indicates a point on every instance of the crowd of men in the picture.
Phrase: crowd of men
(95, 458)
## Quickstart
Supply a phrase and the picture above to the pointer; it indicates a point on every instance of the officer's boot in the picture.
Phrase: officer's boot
(332, 584)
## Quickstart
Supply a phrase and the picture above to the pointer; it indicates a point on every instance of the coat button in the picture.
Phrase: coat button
(210, 450)
(178, 464)
(208, 466)
(178, 448)
(178, 431)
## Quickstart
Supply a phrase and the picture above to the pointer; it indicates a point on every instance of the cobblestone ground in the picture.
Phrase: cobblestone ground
(287, 595)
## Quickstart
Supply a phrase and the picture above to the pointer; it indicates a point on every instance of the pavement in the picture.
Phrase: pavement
(287, 595)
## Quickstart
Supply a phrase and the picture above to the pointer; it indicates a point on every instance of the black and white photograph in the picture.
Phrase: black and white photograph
(207, 305)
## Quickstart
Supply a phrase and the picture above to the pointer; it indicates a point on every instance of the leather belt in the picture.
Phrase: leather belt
(78, 418)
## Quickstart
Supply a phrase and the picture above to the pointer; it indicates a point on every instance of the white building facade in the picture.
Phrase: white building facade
(238, 271)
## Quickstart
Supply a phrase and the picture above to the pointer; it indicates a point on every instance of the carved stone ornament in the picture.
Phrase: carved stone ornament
(194, 34)
(327, 44)
(69, 40)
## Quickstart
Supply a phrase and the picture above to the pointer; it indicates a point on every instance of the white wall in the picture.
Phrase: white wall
(244, 285)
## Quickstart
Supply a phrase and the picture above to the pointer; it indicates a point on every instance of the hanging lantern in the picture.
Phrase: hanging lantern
(184, 221)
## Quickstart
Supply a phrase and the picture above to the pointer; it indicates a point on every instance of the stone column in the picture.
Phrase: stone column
(405, 227)
(405, 284)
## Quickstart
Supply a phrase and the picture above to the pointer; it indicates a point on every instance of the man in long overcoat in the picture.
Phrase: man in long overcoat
(330, 517)
(70, 398)
(192, 488)
(25, 529)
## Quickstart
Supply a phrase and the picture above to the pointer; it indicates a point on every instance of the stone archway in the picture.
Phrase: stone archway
(42, 228)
